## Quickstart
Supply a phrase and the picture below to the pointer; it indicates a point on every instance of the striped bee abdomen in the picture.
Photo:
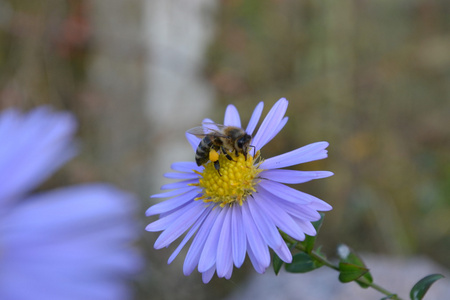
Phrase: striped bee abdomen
(203, 149)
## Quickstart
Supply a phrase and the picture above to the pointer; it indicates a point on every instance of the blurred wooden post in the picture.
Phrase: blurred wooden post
(177, 34)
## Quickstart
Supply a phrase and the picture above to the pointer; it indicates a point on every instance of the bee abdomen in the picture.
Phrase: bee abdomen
(203, 149)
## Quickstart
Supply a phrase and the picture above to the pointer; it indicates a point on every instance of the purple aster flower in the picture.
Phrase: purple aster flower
(69, 243)
(241, 210)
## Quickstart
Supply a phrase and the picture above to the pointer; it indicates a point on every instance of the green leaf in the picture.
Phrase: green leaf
(302, 263)
(317, 224)
(309, 241)
(277, 263)
(349, 272)
(421, 287)
(349, 256)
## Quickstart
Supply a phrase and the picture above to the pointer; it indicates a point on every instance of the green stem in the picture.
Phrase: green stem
(329, 264)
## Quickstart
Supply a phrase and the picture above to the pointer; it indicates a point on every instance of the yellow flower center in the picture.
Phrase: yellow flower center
(235, 182)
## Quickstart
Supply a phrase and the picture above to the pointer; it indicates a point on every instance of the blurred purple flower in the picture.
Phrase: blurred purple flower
(69, 243)
(241, 210)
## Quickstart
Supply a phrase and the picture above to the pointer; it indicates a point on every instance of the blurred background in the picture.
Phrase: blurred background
(370, 77)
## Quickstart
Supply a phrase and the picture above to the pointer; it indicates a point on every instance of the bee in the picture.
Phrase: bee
(216, 137)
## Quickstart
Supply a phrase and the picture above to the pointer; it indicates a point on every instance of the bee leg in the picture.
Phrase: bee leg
(217, 166)
(226, 154)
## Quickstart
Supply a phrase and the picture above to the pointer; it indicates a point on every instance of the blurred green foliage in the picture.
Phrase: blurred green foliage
(43, 52)
(373, 79)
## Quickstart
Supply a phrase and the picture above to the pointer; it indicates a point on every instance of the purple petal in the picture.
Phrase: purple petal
(301, 155)
(209, 253)
(179, 184)
(298, 210)
(88, 205)
(306, 226)
(195, 250)
(293, 177)
(188, 236)
(193, 140)
(259, 267)
(269, 231)
(209, 124)
(280, 217)
(163, 222)
(320, 205)
(186, 166)
(255, 118)
(229, 272)
(286, 193)
(277, 130)
(224, 254)
(270, 123)
(232, 116)
(190, 214)
(239, 242)
(171, 204)
(173, 175)
(207, 275)
(53, 239)
(255, 240)
(175, 192)
(34, 145)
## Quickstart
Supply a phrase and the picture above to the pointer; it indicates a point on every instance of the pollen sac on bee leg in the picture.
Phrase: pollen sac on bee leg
(213, 155)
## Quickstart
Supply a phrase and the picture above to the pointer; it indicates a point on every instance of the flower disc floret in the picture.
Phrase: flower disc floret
(235, 182)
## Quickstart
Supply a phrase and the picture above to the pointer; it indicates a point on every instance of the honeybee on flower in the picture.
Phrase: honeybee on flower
(216, 137)
(232, 203)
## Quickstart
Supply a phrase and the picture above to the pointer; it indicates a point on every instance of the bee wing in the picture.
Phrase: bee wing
(211, 126)
(207, 129)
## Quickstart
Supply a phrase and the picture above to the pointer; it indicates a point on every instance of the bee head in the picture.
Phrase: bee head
(243, 143)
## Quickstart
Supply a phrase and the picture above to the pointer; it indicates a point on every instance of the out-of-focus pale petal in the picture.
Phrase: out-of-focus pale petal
(52, 240)
(208, 123)
(193, 140)
(34, 145)
(232, 116)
